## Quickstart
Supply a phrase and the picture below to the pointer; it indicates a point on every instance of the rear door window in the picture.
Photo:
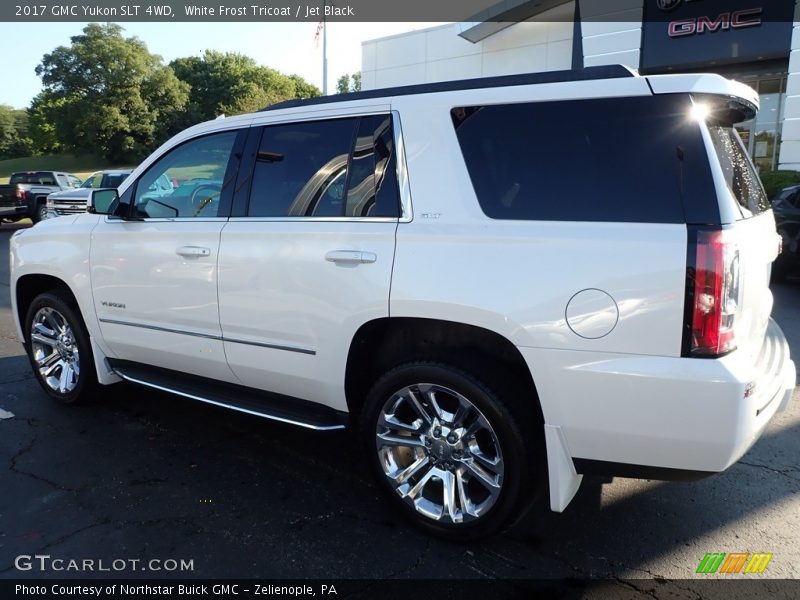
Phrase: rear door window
(636, 159)
(330, 168)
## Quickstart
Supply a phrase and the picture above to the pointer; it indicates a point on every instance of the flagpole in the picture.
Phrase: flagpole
(324, 52)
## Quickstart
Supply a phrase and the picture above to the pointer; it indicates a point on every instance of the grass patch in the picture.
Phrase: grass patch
(82, 166)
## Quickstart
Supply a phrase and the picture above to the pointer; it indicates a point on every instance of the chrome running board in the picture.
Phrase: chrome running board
(282, 409)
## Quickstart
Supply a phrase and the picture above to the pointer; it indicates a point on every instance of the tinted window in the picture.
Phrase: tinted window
(301, 169)
(187, 181)
(738, 170)
(617, 159)
(115, 180)
(335, 168)
(372, 189)
(34, 177)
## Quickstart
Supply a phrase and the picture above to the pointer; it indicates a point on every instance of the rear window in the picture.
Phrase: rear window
(113, 181)
(738, 170)
(618, 159)
(36, 178)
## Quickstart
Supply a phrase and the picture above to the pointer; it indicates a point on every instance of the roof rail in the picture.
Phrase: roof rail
(585, 74)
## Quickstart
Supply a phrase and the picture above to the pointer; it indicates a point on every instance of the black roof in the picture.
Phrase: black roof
(586, 74)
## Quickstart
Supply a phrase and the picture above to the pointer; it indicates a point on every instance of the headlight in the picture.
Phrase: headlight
(49, 203)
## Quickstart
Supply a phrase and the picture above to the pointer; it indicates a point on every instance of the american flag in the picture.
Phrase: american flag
(320, 27)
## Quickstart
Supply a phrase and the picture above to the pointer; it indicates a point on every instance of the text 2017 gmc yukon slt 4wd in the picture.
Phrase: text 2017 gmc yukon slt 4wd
(502, 283)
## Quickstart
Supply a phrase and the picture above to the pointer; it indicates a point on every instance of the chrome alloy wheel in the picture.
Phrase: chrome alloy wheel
(55, 350)
(439, 453)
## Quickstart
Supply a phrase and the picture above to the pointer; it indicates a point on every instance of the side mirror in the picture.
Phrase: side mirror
(103, 202)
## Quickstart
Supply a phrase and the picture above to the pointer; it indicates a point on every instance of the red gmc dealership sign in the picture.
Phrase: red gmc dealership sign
(680, 34)
(726, 21)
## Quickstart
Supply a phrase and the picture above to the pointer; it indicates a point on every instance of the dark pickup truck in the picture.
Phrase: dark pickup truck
(25, 194)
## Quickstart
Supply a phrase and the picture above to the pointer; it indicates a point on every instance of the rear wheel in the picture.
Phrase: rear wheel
(448, 451)
(59, 350)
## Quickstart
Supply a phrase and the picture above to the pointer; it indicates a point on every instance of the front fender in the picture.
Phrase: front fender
(56, 248)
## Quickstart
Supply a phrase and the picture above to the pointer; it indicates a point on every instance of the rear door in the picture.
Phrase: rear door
(309, 258)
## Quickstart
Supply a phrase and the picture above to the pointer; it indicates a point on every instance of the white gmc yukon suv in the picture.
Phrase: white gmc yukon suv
(502, 283)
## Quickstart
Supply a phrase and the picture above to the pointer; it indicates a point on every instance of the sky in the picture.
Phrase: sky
(287, 47)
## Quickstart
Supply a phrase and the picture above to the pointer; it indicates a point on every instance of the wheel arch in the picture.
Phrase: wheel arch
(29, 286)
(380, 344)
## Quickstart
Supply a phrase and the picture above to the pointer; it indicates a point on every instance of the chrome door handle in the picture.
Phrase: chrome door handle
(193, 251)
(351, 257)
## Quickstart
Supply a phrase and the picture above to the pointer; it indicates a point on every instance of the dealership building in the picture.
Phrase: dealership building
(754, 41)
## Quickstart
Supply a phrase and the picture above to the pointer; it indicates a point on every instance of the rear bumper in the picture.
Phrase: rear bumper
(657, 414)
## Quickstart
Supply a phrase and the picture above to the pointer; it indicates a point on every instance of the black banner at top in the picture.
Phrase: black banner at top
(364, 10)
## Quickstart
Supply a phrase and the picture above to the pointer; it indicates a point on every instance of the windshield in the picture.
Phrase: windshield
(92, 181)
(738, 170)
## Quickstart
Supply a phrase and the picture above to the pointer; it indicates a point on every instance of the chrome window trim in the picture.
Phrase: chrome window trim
(297, 115)
(314, 219)
(407, 212)
(110, 219)
(208, 336)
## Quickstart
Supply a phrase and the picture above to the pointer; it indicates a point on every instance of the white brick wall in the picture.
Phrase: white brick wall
(440, 54)
(789, 158)
(607, 41)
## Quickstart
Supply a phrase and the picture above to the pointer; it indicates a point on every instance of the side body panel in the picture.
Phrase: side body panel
(288, 315)
(155, 306)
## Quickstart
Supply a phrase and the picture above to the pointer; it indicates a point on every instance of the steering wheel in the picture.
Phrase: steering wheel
(201, 205)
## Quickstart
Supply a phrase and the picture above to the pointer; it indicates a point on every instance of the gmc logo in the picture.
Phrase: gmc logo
(739, 19)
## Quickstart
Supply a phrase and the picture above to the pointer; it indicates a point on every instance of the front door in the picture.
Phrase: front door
(155, 279)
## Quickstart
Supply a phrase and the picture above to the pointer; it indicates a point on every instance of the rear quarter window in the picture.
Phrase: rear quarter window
(618, 159)
(738, 171)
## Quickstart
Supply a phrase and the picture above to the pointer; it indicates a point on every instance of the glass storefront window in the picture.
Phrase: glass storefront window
(762, 135)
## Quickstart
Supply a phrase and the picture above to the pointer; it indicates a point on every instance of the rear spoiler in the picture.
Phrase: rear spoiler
(741, 98)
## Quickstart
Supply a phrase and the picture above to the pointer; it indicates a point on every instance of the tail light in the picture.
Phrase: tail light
(713, 294)
(22, 194)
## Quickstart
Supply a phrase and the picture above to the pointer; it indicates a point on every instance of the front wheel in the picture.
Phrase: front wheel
(448, 450)
(40, 214)
(59, 350)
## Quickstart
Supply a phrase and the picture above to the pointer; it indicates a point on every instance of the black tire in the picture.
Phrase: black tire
(524, 471)
(40, 212)
(85, 380)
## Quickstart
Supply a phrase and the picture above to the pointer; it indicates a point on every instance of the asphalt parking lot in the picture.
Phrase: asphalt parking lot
(144, 475)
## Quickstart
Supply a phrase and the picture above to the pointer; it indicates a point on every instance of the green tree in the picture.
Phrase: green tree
(41, 129)
(14, 139)
(106, 94)
(343, 84)
(229, 83)
(349, 83)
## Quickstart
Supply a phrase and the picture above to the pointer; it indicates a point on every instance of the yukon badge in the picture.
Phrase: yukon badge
(112, 304)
